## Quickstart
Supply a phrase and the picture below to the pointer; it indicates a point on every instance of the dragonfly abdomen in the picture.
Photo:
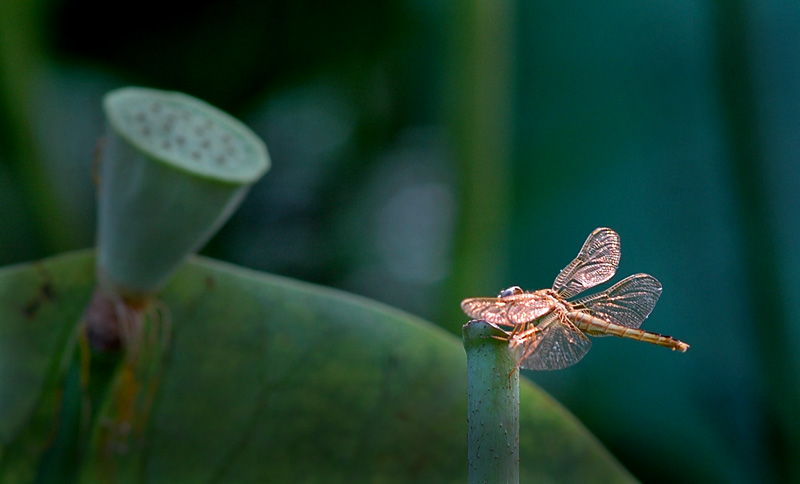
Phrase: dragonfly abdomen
(596, 326)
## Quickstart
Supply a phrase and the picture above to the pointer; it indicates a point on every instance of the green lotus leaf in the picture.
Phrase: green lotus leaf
(266, 379)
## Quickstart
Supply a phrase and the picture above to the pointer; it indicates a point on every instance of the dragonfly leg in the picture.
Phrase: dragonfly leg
(526, 353)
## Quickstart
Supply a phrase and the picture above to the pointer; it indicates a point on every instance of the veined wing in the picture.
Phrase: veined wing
(558, 344)
(509, 310)
(627, 303)
(596, 263)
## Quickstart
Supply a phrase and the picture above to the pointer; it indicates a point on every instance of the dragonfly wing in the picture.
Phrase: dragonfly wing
(524, 308)
(595, 264)
(489, 309)
(559, 344)
(627, 302)
(507, 311)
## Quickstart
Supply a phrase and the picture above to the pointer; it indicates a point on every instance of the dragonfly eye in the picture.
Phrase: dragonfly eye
(511, 291)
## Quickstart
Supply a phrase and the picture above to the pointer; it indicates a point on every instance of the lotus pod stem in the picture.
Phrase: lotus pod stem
(492, 405)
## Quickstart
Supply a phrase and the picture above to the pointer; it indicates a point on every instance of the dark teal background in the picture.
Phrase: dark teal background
(427, 151)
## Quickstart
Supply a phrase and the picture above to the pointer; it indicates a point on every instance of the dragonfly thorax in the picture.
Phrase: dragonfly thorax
(555, 301)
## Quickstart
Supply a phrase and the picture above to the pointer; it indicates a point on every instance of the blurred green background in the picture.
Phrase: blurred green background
(427, 151)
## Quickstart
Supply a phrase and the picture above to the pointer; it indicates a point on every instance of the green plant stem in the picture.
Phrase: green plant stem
(742, 123)
(22, 63)
(492, 405)
(479, 102)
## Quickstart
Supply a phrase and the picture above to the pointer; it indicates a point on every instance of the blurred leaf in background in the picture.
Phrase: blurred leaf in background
(429, 151)
(267, 379)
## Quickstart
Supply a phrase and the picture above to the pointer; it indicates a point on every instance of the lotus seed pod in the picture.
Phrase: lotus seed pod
(173, 169)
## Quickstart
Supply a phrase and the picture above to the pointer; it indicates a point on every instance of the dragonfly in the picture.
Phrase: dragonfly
(551, 327)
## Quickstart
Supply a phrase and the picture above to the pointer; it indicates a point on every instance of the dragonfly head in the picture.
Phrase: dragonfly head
(511, 291)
